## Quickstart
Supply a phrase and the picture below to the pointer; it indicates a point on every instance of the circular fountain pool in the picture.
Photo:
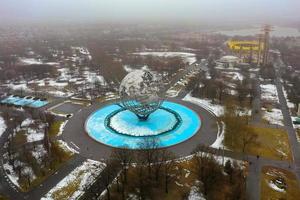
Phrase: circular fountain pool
(115, 126)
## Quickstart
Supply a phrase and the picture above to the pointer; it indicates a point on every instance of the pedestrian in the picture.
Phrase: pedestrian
(257, 156)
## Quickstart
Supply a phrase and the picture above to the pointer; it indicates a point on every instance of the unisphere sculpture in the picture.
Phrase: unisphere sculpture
(139, 93)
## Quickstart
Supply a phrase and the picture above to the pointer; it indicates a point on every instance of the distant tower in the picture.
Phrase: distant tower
(260, 48)
(266, 29)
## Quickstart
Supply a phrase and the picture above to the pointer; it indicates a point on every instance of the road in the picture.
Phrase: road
(295, 146)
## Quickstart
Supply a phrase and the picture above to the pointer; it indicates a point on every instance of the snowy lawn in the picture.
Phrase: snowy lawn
(278, 149)
(273, 116)
(269, 93)
(187, 57)
(289, 104)
(288, 187)
(216, 109)
(237, 76)
(73, 185)
(2, 126)
(63, 145)
(218, 144)
(195, 194)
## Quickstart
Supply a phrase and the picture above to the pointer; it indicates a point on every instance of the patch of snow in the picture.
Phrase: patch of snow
(218, 144)
(27, 122)
(39, 152)
(274, 187)
(86, 173)
(2, 126)
(216, 109)
(274, 116)
(289, 104)
(34, 135)
(269, 92)
(235, 75)
(11, 174)
(34, 61)
(61, 128)
(22, 86)
(188, 57)
(195, 194)
(62, 144)
(129, 69)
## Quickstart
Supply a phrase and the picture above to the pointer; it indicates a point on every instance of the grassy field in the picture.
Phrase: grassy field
(270, 142)
(69, 190)
(54, 128)
(270, 173)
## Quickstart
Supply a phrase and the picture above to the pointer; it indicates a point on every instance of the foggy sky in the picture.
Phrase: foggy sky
(148, 10)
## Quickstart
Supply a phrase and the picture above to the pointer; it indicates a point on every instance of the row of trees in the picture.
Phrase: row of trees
(19, 150)
(151, 172)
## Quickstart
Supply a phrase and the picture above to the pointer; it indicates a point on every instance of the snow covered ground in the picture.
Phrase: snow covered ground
(129, 69)
(172, 92)
(80, 177)
(34, 131)
(34, 61)
(289, 104)
(218, 144)
(269, 93)
(62, 144)
(12, 174)
(273, 116)
(216, 109)
(275, 187)
(188, 57)
(2, 126)
(237, 76)
(195, 194)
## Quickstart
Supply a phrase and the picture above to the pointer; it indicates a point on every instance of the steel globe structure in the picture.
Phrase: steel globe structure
(139, 92)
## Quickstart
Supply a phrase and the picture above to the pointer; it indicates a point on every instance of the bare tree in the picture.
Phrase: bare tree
(124, 158)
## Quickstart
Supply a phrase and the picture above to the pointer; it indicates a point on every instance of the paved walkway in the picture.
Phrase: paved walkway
(294, 144)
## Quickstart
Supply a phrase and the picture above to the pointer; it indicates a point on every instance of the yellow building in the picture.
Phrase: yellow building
(245, 45)
(246, 50)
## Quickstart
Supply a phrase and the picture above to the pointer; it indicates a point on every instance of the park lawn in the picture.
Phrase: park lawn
(272, 143)
(54, 128)
(67, 191)
(291, 193)
(43, 172)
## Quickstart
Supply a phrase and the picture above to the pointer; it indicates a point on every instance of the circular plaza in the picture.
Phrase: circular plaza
(181, 140)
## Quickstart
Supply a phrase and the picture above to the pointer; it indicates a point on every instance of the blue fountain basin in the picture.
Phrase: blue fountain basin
(170, 125)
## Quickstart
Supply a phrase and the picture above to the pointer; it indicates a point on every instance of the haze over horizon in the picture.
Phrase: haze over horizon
(204, 11)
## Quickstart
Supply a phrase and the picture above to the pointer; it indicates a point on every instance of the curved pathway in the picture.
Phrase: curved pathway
(75, 135)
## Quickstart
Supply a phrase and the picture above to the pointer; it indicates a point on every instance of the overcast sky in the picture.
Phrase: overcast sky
(149, 10)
